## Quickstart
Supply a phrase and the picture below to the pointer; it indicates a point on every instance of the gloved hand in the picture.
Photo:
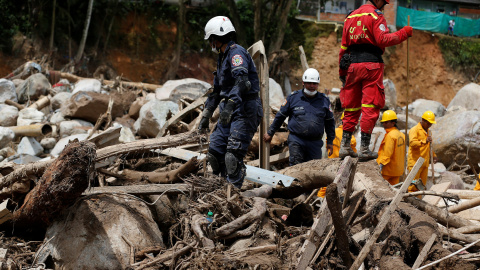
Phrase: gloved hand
(408, 30)
(226, 114)
(206, 115)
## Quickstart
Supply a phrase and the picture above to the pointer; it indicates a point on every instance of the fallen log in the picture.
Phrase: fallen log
(61, 184)
(151, 189)
(335, 208)
(459, 236)
(468, 229)
(173, 176)
(465, 194)
(464, 205)
(432, 193)
(386, 216)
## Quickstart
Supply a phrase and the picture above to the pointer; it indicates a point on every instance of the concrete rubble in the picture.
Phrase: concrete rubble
(100, 189)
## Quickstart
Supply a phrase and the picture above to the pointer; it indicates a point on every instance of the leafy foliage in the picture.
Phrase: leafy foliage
(461, 54)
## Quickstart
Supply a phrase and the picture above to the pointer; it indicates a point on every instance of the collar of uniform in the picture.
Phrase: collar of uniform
(387, 130)
(421, 127)
(310, 98)
(230, 44)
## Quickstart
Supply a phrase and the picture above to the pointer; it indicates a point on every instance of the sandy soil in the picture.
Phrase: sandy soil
(430, 78)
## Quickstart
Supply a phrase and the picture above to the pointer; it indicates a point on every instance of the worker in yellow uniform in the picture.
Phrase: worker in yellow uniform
(391, 155)
(336, 148)
(477, 186)
(419, 146)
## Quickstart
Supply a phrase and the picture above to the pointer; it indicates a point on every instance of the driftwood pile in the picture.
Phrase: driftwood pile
(149, 204)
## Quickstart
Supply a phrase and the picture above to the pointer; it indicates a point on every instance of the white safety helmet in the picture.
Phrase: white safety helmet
(311, 75)
(218, 26)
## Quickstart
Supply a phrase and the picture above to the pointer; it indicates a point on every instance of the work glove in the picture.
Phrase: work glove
(408, 30)
(206, 115)
(226, 114)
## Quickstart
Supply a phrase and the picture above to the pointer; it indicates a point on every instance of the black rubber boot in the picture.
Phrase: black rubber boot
(345, 147)
(365, 153)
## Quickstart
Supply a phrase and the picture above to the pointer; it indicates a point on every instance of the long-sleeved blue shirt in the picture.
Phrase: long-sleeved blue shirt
(308, 117)
(232, 63)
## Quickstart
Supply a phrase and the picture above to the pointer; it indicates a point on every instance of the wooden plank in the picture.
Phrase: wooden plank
(107, 137)
(386, 216)
(150, 189)
(6, 210)
(442, 187)
(424, 252)
(303, 58)
(323, 217)
(179, 116)
(273, 159)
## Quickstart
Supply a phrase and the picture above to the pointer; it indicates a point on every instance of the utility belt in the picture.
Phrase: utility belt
(361, 53)
(362, 57)
(316, 138)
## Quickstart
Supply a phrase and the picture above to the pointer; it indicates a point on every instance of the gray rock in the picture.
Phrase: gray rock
(73, 127)
(7, 91)
(87, 85)
(48, 143)
(63, 142)
(275, 94)
(6, 136)
(390, 94)
(467, 97)
(29, 116)
(57, 118)
(454, 135)
(126, 135)
(60, 99)
(175, 89)
(33, 87)
(29, 146)
(153, 116)
(422, 105)
(455, 179)
(402, 118)
(91, 235)
(8, 115)
(24, 159)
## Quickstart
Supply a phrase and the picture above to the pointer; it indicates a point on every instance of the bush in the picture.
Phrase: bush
(461, 54)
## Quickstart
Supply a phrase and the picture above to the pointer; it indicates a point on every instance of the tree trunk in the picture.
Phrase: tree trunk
(52, 29)
(85, 32)
(257, 22)
(241, 37)
(172, 71)
(279, 33)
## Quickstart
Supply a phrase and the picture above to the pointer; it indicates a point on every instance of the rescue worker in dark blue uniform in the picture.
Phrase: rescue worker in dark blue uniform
(309, 116)
(236, 89)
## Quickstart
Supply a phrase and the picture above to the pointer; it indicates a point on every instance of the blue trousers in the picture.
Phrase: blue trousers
(303, 150)
(236, 137)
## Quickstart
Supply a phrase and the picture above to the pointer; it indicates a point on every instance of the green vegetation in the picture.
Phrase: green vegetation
(461, 54)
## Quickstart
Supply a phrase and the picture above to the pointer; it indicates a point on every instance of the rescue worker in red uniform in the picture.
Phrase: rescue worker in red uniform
(365, 36)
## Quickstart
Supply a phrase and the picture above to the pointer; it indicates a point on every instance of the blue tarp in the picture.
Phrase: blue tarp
(437, 22)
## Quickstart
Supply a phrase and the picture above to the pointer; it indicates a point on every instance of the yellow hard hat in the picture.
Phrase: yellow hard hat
(429, 116)
(389, 115)
(343, 114)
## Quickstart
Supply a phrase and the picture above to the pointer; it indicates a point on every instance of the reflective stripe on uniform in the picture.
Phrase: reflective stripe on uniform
(360, 15)
(368, 105)
(343, 47)
(352, 109)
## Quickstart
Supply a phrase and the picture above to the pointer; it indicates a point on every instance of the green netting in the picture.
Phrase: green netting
(437, 22)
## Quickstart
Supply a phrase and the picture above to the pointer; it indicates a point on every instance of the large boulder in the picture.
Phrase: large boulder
(7, 91)
(467, 97)
(8, 115)
(33, 87)
(30, 116)
(275, 93)
(455, 135)
(153, 116)
(96, 233)
(87, 85)
(90, 106)
(420, 106)
(390, 94)
(402, 119)
(175, 89)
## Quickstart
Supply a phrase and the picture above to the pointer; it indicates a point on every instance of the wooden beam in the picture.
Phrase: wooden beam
(424, 252)
(323, 217)
(386, 215)
(151, 189)
(273, 159)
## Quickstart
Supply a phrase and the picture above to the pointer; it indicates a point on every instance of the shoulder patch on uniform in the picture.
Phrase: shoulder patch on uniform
(382, 27)
(378, 11)
(284, 102)
(237, 60)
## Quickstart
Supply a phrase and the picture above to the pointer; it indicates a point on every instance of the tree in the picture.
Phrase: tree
(182, 11)
(279, 31)
(85, 32)
(241, 37)
(257, 23)
(52, 29)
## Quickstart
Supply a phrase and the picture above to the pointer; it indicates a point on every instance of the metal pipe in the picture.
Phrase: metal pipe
(34, 130)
